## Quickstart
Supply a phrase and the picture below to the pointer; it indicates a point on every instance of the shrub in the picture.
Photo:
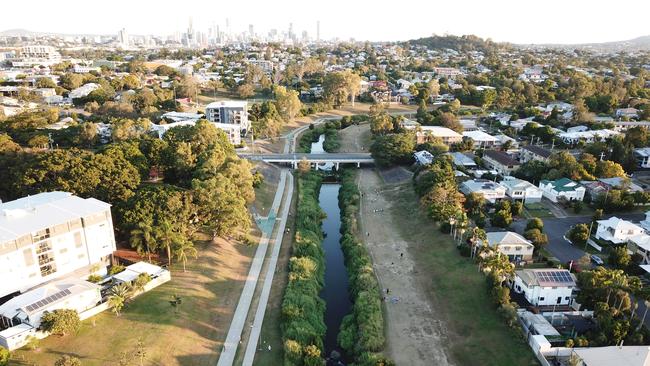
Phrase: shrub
(61, 321)
(66, 360)
(116, 269)
(535, 223)
(94, 278)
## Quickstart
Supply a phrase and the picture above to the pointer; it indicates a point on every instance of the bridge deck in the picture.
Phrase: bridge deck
(316, 158)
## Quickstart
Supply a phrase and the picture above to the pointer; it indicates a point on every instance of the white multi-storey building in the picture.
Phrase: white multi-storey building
(37, 55)
(545, 286)
(50, 235)
(230, 116)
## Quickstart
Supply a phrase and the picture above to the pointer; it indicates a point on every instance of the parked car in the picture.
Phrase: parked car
(596, 259)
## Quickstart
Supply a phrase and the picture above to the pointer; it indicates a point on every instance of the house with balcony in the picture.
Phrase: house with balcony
(617, 230)
(521, 190)
(562, 188)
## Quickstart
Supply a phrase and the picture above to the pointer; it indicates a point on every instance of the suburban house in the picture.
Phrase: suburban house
(544, 286)
(645, 223)
(481, 139)
(447, 135)
(617, 230)
(643, 157)
(627, 113)
(231, 116)
(490, 190)
(515, 246)
(588, 137)
(533, 152)
(640, 244)
(519, 189)
(612, 356)
(468, 124)
(500, 161)
(462, 160)
(49, 235)
(562, 188)
(505, 139)
(423, 157)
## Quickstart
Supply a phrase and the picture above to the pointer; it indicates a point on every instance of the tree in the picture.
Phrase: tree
(450, 121)
(140, 351)
(579, 234)
(221, 206)
(141, 281)
(39, 141)
(609, 169)
(168, 237)
(71, 81)
(442, 203)
(393, 148)
(475, 203)
(186, 87)
(304, 166)
(536, 237)
(142, 239)
(503, 215)
(287, 102)
(5, 355)
(380, 122)
(517, 208)
(619, 258)
(66, 360)
(7, 144)
(61, 321)
(245, 90)
(183, 250)
(339, 85)
(118, 297)
(535, 223)
(433, 87)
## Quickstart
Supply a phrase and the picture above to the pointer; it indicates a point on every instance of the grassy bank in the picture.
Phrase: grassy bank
(302, 324)
(362, 331)
(476, 334)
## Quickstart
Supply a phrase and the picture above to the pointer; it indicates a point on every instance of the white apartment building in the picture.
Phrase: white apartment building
(230, 116)
(37, 55)
(50, 235)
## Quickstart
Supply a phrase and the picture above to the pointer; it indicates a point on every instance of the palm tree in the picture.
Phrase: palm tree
(142, 239)
(118, 297)
(168, 238)
(183, 249)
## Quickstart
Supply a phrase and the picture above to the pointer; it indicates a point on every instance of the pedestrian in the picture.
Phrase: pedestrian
(269, 348)
(401, 255)
(367, 233)
(387, 290)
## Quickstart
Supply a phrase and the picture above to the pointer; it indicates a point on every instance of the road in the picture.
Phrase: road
(233, 338)
(556, 229)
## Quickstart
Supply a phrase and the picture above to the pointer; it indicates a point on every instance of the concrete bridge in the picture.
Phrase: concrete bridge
(294, 158)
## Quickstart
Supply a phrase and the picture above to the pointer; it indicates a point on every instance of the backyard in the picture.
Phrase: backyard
(474, 333)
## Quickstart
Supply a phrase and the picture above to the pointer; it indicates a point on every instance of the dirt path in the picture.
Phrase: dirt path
(414, 332)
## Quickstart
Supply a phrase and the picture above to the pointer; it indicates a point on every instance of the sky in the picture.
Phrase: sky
(516, 21)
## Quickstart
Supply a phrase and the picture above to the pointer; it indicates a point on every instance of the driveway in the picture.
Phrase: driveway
(556, 228)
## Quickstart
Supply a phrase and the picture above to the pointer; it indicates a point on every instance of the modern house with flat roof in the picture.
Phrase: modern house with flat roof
(49, 235)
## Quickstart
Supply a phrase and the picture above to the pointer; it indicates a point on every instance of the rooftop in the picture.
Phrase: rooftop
(228, 104)
(562, 184)
(480, 136)
(506, 237)
(500, 157)
(547, 277)
(33, 213)
(538, 150)
(614, 355)
(619, 224)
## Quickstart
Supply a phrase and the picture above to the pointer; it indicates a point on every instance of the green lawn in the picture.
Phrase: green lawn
(476, 334)
(537, 210)
(191, 335)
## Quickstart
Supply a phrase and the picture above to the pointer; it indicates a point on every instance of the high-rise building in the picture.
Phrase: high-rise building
(123, 38)
(231, 116)
(251, 32)
(317, 31)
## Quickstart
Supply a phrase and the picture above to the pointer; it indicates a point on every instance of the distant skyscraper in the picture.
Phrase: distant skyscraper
(251, 31)
(123, 38)
(318, 31)
(290, 35)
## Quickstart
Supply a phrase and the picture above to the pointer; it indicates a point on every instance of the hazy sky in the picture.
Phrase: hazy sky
(518, 21)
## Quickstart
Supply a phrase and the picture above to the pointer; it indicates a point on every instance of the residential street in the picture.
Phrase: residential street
(556, 229)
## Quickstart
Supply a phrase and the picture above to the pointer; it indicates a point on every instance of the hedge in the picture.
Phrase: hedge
(302, 323)
(362, 332)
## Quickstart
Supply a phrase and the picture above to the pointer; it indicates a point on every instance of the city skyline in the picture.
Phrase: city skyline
(511, 22)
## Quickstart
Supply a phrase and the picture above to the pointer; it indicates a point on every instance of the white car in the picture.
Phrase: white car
(596, 259)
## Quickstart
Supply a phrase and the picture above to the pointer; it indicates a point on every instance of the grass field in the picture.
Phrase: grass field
(476, 334)
(191, 335)
(537, 210)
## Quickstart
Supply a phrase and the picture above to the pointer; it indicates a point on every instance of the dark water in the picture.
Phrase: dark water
(335, 291)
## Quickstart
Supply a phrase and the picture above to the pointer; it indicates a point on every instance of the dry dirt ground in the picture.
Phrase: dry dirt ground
(414, 332)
